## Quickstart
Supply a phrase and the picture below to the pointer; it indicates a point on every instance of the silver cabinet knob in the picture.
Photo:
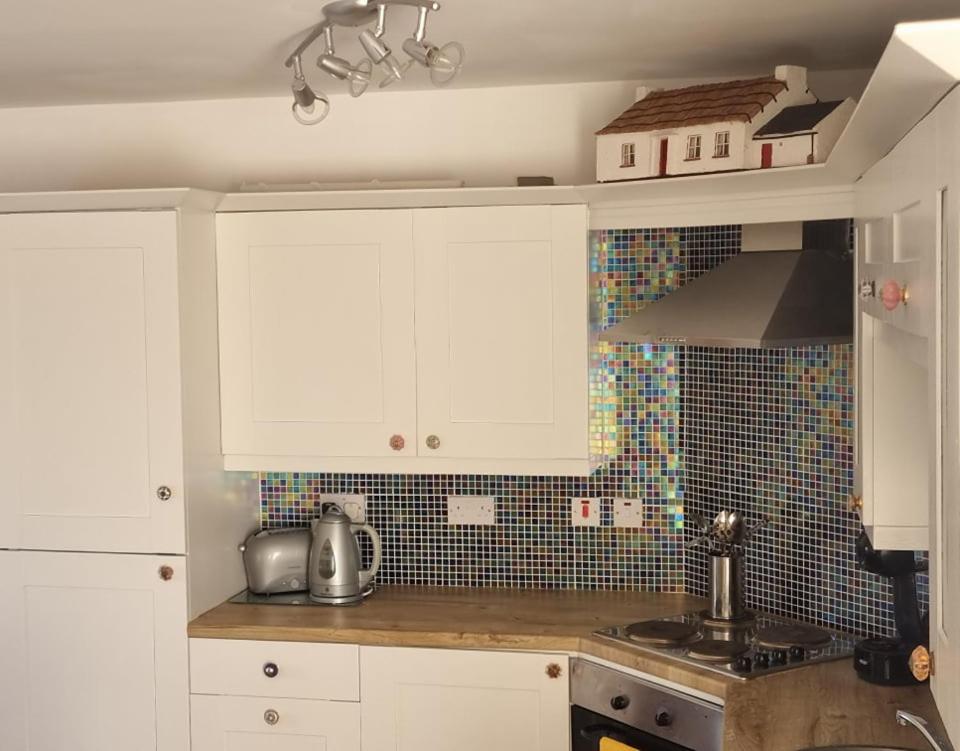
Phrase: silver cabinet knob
(433, 442)
(271, 670)
(164, 493)
(271, 717)
(867, 290)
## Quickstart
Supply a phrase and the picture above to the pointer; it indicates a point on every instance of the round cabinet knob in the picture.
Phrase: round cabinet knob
(433, 442)
(620, 702)
(867, 290)
(921, 663)
(166, 573)
(892, 295)
(271, 670)
(397, 443)
(271, 717)
(663, 718)
(855, 502)
(164, 493)
(554, 670)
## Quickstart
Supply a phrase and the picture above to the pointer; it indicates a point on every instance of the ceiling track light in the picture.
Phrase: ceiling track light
(443, 63)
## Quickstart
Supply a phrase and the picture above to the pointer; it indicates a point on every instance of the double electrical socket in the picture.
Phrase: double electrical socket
(354, 505)
(585, 512)
(471, 509)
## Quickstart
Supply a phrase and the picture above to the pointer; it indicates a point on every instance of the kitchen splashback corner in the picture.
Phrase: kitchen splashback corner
(696, 429)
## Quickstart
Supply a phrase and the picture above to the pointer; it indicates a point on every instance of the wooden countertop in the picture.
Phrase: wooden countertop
(818, 705)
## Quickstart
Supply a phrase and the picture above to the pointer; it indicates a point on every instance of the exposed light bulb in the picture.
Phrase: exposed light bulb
(309, 107)
(380, 54)
(357, 76)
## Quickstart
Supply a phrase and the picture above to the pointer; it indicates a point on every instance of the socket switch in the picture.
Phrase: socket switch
(354, 505)
(471, 509)
(627, 512)
(585, 512)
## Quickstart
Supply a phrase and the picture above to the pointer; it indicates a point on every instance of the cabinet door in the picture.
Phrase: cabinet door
(436, 700)
(90, 383)
(502, 332)
(945, 518)
(242, 723)
(316, 333)
(897, 303)
(95, 652)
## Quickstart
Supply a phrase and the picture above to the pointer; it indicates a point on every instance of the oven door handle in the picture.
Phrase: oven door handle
(596, 732)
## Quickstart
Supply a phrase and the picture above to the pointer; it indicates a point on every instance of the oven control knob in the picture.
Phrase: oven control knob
(778, 657)
(797, 654)
(663, 718)
(743, 665)
(620, 702)
(762, 659)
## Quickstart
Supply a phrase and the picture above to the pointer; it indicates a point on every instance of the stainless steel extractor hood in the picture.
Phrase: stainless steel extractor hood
(783, 298)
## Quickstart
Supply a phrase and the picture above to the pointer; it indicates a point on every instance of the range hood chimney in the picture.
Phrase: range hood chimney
(780, 298)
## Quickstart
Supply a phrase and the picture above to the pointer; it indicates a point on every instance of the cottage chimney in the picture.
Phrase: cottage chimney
(794, 76)
(642, 92)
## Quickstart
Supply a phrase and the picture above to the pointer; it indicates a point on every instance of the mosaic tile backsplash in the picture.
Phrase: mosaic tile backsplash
(768, 432)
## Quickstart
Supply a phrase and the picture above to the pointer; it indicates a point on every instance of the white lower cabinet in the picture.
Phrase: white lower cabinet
(94, 652)
(443, 699)
(250, 723)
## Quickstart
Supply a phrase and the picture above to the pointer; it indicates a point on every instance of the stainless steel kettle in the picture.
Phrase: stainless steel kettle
(335, 574)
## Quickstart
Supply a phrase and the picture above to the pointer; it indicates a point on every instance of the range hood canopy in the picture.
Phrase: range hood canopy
(783, 298)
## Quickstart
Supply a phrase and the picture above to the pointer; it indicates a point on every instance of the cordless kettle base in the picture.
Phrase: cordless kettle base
(344, 600)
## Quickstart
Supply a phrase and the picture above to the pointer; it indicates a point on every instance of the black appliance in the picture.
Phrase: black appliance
(637, 714)
(886, 662)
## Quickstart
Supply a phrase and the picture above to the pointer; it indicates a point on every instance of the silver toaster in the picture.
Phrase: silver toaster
(276, 560)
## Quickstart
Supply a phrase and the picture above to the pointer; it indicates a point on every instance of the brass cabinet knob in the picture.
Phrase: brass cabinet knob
(433, 442)
(271, 717)
(554, 670)
(921, 663)
(855, 502)
(397, 443)
(166, 573)
(164, 493)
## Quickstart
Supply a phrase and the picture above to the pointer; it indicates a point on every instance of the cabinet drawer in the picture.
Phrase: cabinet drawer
(242, 723)
(299, 670)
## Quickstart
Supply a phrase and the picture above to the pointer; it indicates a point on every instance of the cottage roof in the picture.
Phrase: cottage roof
(800, 119)
(694, 105)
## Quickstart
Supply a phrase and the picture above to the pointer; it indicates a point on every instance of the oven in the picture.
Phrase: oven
(615, 711)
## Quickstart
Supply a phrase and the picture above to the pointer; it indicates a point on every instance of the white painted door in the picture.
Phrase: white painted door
(437, 700)
(94, 652)
(316, 333)
(90, 382)
(896, 340)
(945, 516)
(243, 723)
(502, 332)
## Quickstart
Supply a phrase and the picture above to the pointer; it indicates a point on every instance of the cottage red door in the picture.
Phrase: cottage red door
(766, 155)
(663, 156)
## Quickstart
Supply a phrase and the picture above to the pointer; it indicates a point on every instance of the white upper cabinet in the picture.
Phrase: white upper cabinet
(90, 436)
(405, 341)
(898, 298)
(502, 317)
(316, 333)
(94, 652)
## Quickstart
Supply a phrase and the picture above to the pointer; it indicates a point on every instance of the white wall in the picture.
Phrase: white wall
(483, 136)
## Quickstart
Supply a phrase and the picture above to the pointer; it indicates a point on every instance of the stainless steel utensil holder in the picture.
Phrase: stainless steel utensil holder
(727, 587)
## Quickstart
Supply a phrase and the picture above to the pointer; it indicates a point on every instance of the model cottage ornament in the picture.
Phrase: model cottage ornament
(774, 121)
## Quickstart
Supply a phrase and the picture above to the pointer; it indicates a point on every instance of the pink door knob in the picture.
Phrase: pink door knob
(892, 294)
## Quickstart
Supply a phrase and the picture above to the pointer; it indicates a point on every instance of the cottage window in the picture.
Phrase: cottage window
(721, 144)
(628, 155)
(693, 147)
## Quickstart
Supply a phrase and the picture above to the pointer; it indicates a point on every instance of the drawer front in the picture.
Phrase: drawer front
(241, 723)
(270, 668)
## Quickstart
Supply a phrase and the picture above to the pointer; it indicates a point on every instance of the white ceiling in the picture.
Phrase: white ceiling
(60, 51)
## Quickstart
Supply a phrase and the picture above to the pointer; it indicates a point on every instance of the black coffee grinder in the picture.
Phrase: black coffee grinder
(887, 661)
